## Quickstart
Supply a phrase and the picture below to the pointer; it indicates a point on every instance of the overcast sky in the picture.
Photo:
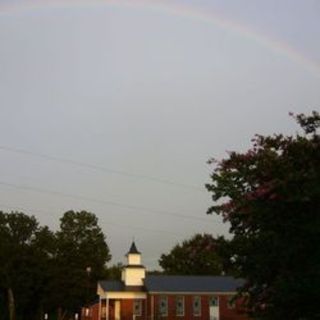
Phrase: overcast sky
(139, 96)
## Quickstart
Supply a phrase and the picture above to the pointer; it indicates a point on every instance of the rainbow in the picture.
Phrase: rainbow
(175, 9)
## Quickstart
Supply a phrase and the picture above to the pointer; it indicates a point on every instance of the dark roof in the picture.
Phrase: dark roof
(133, 248)
(116, 286)
(160, 283)
(111, 285)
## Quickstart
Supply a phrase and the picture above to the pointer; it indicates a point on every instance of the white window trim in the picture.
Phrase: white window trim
(165, 298)
(231, 305)
(193, 307)
(140, 307)
(183, 306)
(103, 312)
(218, 300)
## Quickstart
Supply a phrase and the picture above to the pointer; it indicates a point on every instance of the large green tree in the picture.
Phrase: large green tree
(45, 272)
(270, 195)
(114, 271)
(198, 255)
(81, 257)
(24, 259)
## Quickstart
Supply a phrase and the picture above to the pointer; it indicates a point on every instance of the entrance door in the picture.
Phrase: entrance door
(214, 308)
(117, 310)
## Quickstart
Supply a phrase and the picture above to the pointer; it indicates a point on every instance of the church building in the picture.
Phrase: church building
(138, 296)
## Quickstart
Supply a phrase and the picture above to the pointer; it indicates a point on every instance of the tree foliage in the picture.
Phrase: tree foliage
(196, 256)
(42, 271)
(23, 257)
(270, 195)
(114, 272)
(81, 257)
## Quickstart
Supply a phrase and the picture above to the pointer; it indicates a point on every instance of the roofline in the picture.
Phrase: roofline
(144, 292)
(193, 276)
(132, 266)
(193, 292)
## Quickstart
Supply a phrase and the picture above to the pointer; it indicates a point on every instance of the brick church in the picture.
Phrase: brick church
(151, 297)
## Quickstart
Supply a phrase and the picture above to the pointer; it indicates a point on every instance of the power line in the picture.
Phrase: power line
(105, 202)
(20, 208)
(100, 168)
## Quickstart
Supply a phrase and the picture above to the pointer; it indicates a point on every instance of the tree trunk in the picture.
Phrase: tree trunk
(61, 314)
(40, 312)
(11, 306)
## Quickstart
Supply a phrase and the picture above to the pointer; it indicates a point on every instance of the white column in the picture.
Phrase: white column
(107, 308)
(117, 309)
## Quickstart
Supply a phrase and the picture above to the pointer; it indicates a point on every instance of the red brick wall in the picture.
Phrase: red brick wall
(126, 309)
(111, 309)
(225, 312)
(93, 312)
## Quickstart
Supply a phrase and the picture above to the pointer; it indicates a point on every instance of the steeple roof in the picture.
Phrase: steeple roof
(133, 249)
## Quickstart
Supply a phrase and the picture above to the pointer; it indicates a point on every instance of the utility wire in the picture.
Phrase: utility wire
(117, 225)
(100, 168)
(105, 202)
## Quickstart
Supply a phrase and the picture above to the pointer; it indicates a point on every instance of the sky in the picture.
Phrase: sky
(115, 107)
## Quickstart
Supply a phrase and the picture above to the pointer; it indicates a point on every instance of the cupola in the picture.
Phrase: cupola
(133, 273)
(133, 255)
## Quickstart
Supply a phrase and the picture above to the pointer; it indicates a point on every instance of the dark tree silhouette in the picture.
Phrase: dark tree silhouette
(271, 197)
(196, 256)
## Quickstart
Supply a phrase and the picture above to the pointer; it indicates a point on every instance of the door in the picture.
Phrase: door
(117, 310)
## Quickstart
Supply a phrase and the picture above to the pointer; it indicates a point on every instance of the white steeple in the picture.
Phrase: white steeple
(133, 273)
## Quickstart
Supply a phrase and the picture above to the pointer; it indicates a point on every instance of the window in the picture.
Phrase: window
(231, 302)
(214, 301)
(103, 312)
(196, 306)
(163, 305)
(137, 307)
(179, 306)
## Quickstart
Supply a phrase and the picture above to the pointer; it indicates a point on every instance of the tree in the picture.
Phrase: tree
(114, 272)
(270, 195)
(82, 254)
(23, 261)
(42, 272)
(197, 256)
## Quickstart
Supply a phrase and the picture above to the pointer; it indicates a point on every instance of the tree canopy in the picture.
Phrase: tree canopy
(195, 256)
(23, 257)
(270, 195)
(42, 271)
(82, 254)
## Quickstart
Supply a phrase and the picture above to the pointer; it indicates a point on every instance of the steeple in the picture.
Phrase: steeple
(133, 249)
(133, 273)
(133, 255)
